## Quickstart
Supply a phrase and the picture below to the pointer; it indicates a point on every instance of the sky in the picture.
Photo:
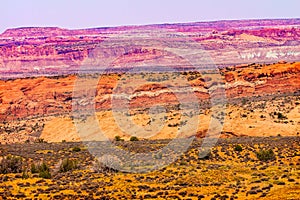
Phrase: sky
(76, 14)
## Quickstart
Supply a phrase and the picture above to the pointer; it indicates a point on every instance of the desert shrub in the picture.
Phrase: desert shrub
(183, 163)
(244, 115)
(265, 155)
(118, 138)
(68, 165)
(11, 164)
(281, 116)
(43, 167)
(134, 138)
(279, 182)
(44, 171)
(25, 174)
(34, 169)
(45, 174)
(76, 149)
(40, 167)
(5, 178)
(238, 148)
(40, 140)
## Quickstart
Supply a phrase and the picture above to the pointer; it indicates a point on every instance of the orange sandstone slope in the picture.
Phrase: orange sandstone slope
(42, 106)
(43, 96)
(37, 67)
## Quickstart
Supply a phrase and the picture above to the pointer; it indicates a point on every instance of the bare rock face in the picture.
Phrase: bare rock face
(46, 51)
(37, 67)
(44, 105)
(44, 96)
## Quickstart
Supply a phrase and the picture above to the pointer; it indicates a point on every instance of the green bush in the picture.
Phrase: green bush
(76, 149)
(45, 174)
(44, 167)
(34, 169)
(68, 165)
(25, 174)
(265, 155)
(281, 116)
(238, 148)
(118, 138)
(44, 171)
(40, 140)
(11, 164)
(134, 138)
(244, 115)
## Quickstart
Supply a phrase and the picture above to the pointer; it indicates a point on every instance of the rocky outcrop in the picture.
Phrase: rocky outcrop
(38, 67)
(37, 51)
(43, 96)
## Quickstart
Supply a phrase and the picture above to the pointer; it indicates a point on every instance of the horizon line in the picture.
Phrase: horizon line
(150, 24)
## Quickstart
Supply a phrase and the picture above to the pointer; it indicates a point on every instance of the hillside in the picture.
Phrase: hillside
(43, 105)
(255, 63)
(37, 51)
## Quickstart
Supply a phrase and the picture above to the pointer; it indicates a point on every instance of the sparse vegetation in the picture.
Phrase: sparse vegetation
(68, 165)
(25, 174)
(266, 155)
(118, 138)
(34, 168)
(133, 138)
(252, 159)
(44, 171)
(281, 116)
(238, 169)
(40, 140)
(76, 149)
(238, 148)
(244, 115)
(11, 164)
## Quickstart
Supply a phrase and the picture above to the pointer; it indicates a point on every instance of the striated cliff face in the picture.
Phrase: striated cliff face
(50, 50)
(42, 51)
(37, 67)
(262, 79)
(44, 96)
(42, 106)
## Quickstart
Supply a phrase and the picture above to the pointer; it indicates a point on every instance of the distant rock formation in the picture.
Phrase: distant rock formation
(36, 51)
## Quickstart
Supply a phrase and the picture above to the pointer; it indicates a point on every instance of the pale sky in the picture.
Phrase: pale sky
(98, 13)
